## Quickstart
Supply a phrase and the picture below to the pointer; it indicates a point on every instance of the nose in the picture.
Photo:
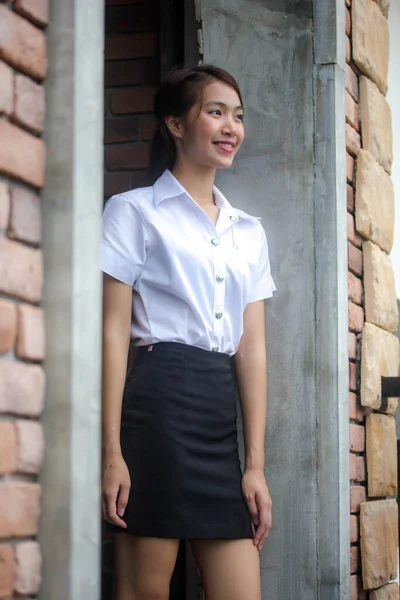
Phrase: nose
(230, 127)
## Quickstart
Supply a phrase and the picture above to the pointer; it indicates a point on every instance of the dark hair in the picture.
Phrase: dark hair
(176, 95)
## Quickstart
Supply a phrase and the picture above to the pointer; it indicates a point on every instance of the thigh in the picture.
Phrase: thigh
(143, 566)
(230, 569)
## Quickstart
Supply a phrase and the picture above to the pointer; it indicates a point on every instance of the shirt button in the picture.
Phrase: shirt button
(218, 315)
(215, 242)
(234, 219)
(215, 348)
(220, 278)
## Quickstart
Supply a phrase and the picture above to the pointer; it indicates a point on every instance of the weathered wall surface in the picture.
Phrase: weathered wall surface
(270, 53)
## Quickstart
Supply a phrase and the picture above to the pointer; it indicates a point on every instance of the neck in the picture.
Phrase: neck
(198, 181)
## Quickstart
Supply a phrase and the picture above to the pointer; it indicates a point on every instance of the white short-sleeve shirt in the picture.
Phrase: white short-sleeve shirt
(191, 280)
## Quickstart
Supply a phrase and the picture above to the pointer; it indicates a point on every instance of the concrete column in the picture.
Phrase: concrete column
(72, 205)
(289, 61)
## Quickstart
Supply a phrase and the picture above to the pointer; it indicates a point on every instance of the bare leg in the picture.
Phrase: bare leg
(230, 569)
(143, 567)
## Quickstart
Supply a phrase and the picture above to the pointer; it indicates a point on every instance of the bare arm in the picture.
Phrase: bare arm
(251, 369)
(117, 309)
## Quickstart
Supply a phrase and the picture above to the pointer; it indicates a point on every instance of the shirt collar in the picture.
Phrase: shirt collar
(167, 186)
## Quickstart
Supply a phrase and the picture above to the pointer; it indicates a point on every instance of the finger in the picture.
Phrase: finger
(122, 499)
(265, 526)
(111, 509)
(252, 506)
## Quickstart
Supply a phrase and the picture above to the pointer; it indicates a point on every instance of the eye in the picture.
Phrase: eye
(240, 117)
(215, 111)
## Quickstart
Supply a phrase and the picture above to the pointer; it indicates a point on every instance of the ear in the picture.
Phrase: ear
(175, 126)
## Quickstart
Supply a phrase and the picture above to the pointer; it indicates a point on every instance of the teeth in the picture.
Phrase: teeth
(224, 145)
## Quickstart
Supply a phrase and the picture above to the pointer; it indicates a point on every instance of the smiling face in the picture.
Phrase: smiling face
(212, 132)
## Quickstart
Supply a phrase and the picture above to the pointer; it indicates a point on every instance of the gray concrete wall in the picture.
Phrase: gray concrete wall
(269, 47)
(72, 204)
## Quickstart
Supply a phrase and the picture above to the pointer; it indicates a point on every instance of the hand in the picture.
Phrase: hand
(115, 489)
(259, 502)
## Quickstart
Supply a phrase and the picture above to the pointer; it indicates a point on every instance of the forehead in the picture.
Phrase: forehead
(220, 92)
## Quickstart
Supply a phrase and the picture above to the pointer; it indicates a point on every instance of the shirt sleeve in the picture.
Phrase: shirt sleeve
(123, 248)
(262, 285)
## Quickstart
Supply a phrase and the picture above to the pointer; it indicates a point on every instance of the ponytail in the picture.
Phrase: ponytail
(162, 153)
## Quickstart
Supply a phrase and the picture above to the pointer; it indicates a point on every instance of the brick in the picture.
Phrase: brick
(127, 156)
(354, 560)
(30, 444)
(356, 591)
(21, 389)
(387, 592)
(352, 83)
(379, 542)
(125, 72)
(147, 127)
(115, 183)
(124, 19)
(374, 202)
(355, 259)
(348, 21)
(347, 49)
(356, 412)
(349, 168)
(356, 317)
(29, 568)
(357, 495)
(370, 42)
(29, 105)
(379, 358)
(376, 123)
(384, 6)
(151, 71)
(22, 156)
(357, 468)
(19, 508)
(352, 111)
(7, 570)
(8, 326)
(6, 88)
(21, 271)
(22, 44)
(354, 528)
(121, 129)
(8, 448)
(31, 343)
(25, 219)
(139, 179)
(36, 11)
(139, 45)
(137, 100)
(4, 206)
(352, 235)
(353, 140)
(381, 455)
(352, 338)
(381, 307)
(355, 289)
(352, 376)
(357, 438)
(350, 198)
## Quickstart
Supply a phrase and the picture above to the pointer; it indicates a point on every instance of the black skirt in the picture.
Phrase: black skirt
(179, 441)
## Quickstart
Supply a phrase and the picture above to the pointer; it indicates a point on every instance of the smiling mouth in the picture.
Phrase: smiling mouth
(225, 146)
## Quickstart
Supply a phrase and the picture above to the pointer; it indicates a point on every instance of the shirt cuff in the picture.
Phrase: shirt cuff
(263, 291)
(115, 265)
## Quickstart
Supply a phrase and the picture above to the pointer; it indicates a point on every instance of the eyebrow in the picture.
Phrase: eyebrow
(223, 105)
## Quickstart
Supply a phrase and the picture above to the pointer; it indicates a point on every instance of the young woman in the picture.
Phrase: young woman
(185, 276)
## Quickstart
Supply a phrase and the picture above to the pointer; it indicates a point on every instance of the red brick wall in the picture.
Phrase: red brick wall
(356, 320)
(23, 65)
(131, 79)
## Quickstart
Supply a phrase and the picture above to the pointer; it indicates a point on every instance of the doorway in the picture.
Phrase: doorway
(143, 42)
